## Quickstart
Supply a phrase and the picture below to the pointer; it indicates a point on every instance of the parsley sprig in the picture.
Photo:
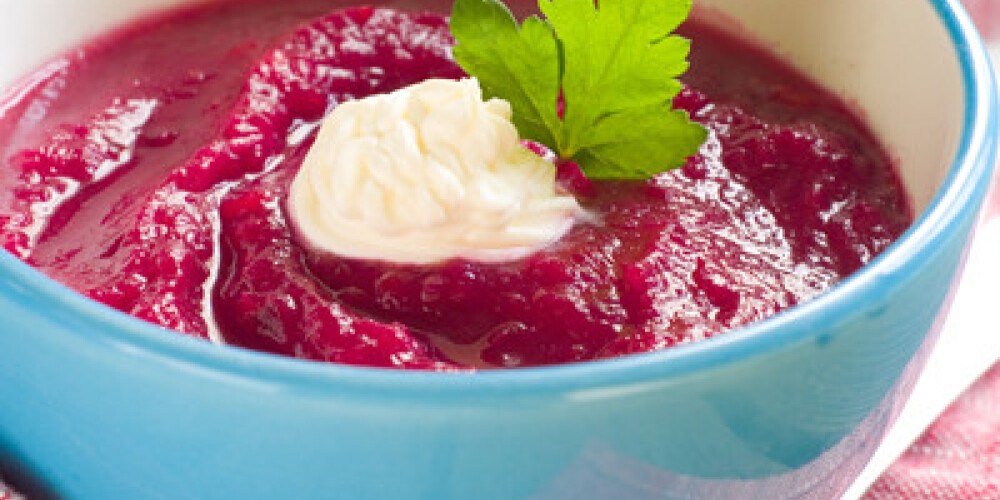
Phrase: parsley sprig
(615, 66)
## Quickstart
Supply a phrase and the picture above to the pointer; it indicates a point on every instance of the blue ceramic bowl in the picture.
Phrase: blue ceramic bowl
(97, 405)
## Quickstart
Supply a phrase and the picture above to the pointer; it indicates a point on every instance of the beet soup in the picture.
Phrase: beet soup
(149, 170)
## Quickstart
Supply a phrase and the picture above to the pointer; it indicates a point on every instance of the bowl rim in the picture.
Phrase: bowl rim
(969, 172)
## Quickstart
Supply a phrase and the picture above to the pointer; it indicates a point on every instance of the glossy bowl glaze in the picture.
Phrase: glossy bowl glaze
(97, 405)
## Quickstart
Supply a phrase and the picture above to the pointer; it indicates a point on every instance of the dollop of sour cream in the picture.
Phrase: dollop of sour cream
(424, 174)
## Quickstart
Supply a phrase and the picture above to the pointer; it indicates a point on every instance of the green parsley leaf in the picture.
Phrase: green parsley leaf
(518, 64)
(616, 67)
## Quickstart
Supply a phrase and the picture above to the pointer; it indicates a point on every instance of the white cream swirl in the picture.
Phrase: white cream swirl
(424, 174)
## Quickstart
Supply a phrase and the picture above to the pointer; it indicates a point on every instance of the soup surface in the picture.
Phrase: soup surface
(149, 171)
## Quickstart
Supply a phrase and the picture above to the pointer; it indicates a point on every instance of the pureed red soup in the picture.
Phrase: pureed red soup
(149, 170)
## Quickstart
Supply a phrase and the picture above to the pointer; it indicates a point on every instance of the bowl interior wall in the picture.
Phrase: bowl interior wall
(893, 60)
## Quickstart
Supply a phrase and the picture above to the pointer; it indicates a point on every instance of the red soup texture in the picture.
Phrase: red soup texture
(149, 170)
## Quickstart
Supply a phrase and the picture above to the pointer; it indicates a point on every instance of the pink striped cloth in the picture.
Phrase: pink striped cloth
(986, 14)
(8, 494)
(957, 458)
